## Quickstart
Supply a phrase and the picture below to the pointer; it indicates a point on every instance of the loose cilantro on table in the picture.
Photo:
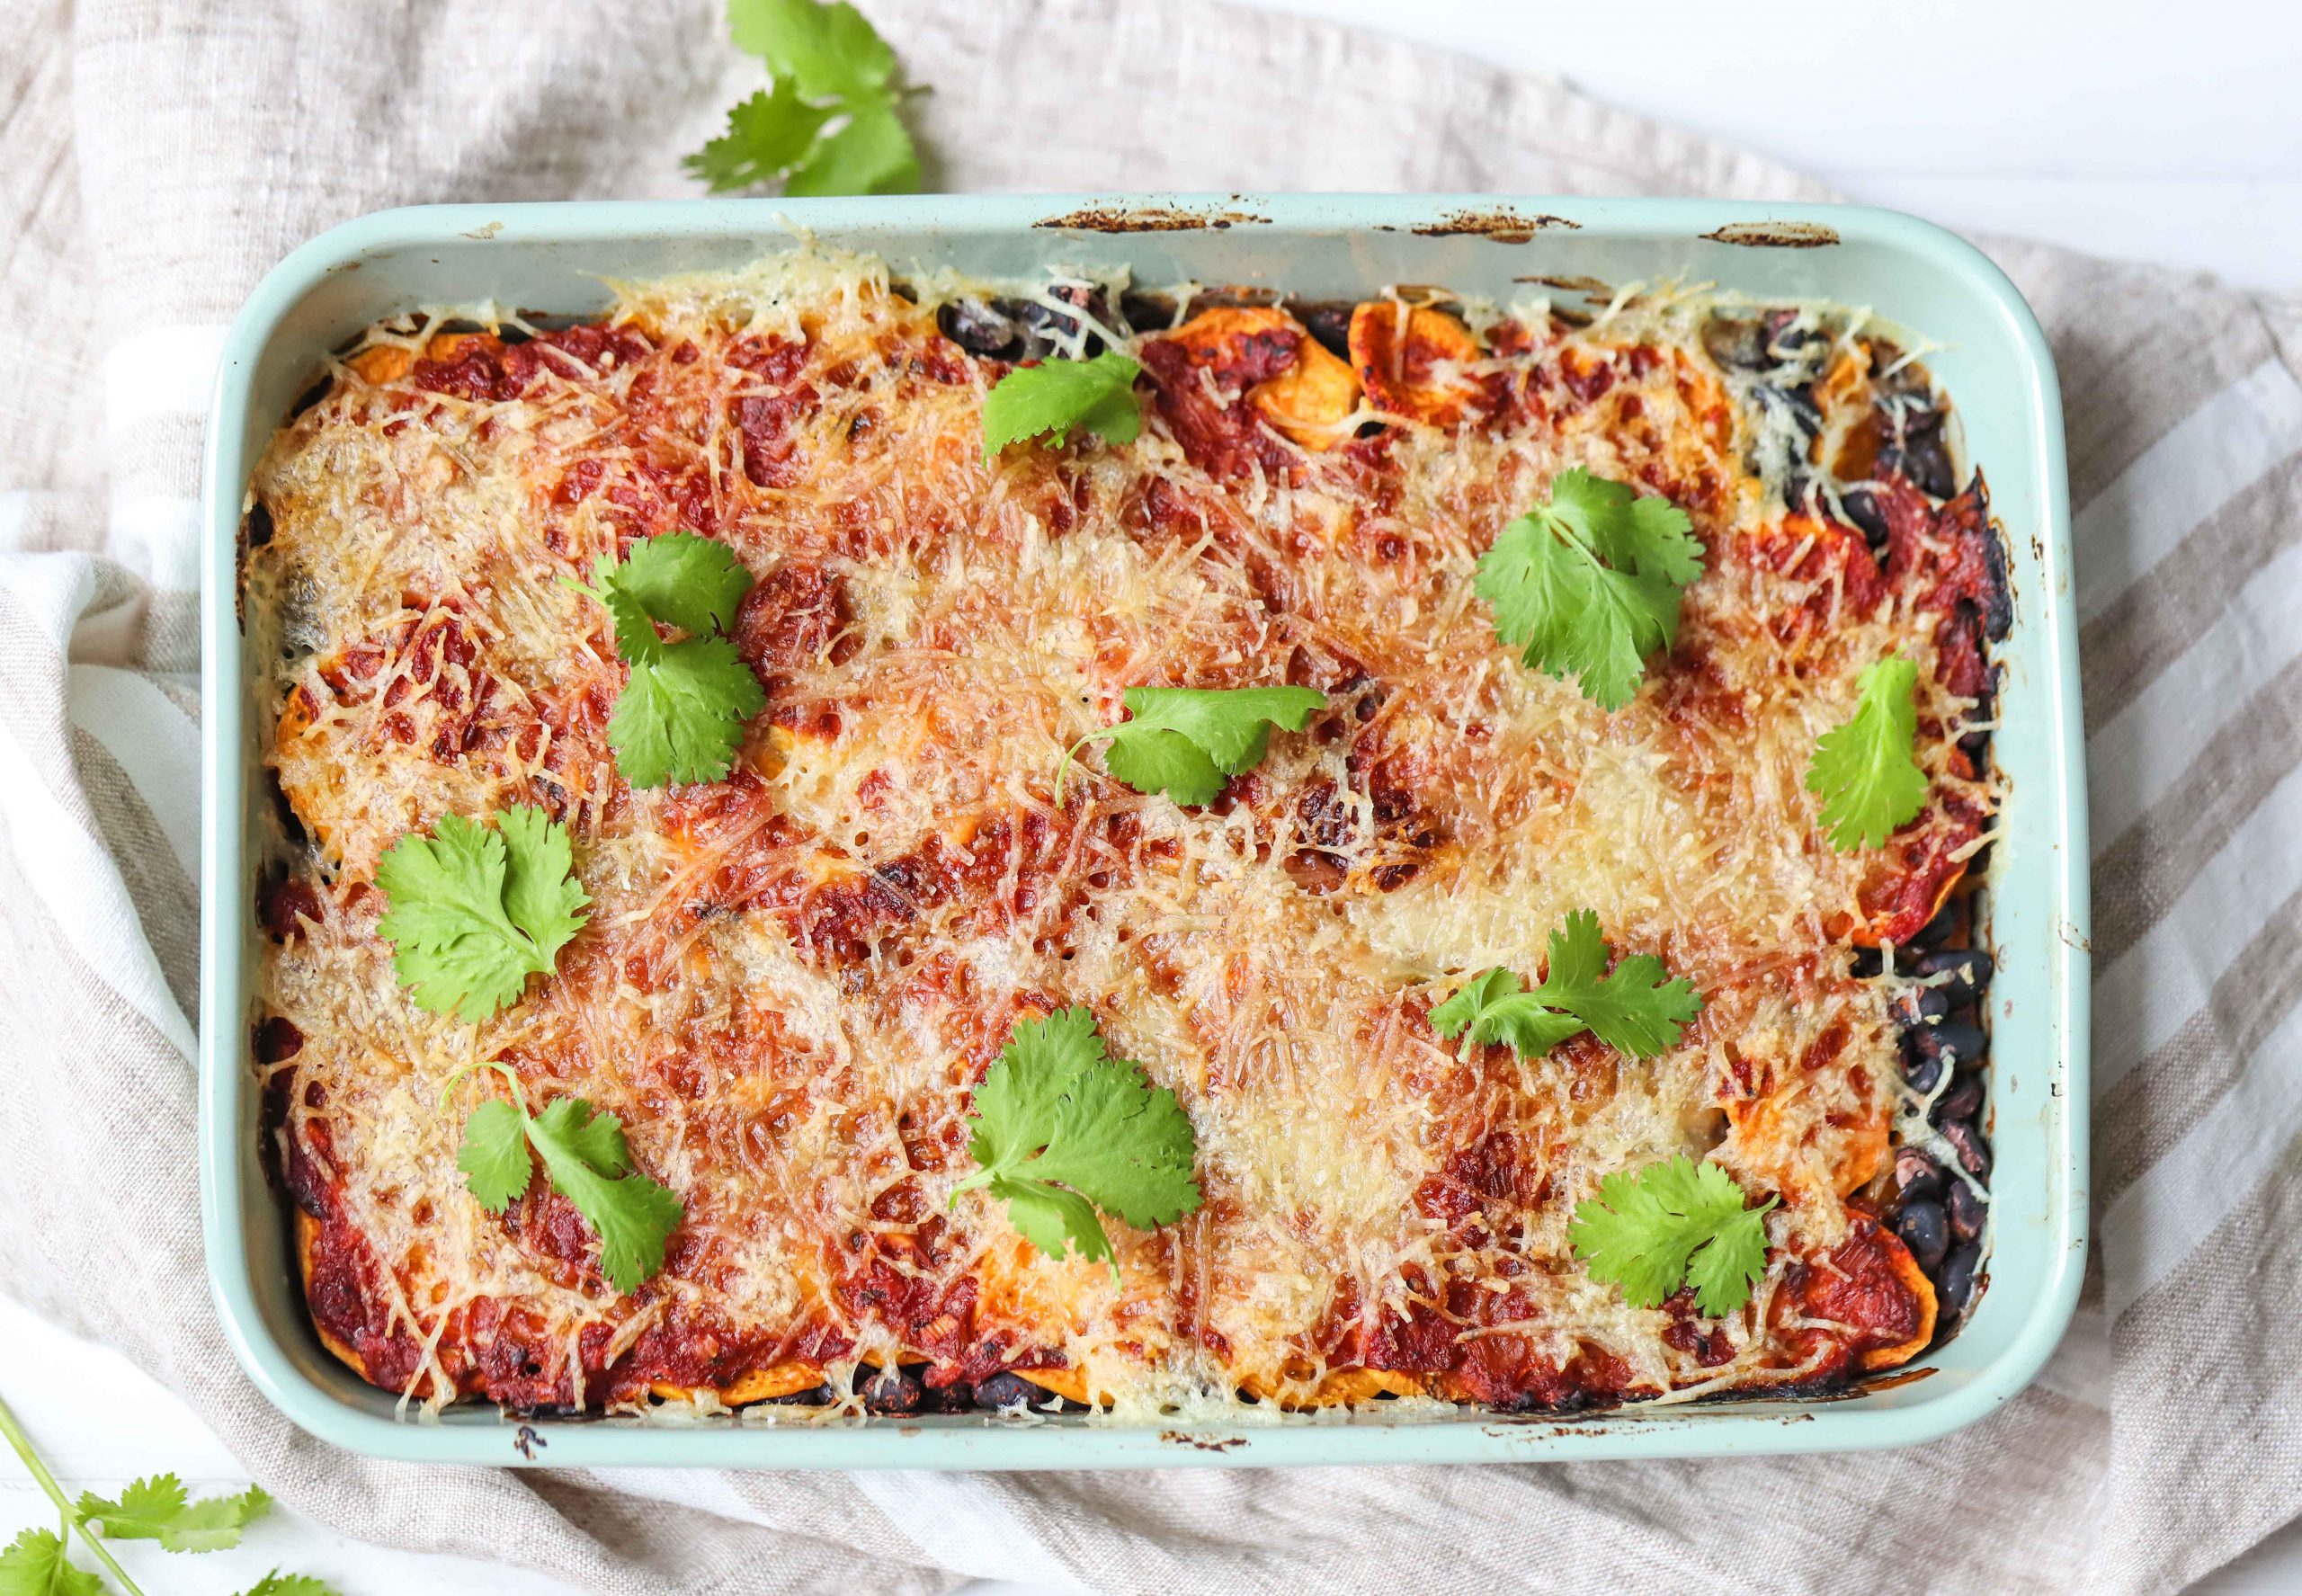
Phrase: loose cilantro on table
(475, 911)
(827, 123)
(1053, 397)
(1634, 1008)
(1865, 770)
(588, 1163)
(36, 1565)
(1587, 584)
(1671, 1225)
(682, 712)
(38, 1561)
(277, 1584)
(1062, 1129)
(155, 1508)
(1186, 741)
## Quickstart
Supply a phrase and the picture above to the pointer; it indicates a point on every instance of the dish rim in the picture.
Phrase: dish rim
(287, 1376)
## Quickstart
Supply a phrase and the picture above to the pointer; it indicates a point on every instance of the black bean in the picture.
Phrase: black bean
(1004, 1390)
(1954, 1041)
(1797, 401)
(1957, 1286)
(1962, 1102)
(1975, 746)
(893, 1391)
(1862, 508)
(1046, 326)
(819, 1396)
(1970, 1144)
(1917, 1175)
(1868, 962)
(1785, 340)
(1925, 1230)
(1969, 969)
(1141, 309)
(1923, 1071)
(947, 1399)
(1935, 931)
(980, 329)
(1922, 454)
(1915, 1005)
(1965, 1210)
(1329, 322)
(1736, 344)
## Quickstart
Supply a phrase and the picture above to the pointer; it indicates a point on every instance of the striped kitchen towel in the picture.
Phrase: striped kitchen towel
(160, 156)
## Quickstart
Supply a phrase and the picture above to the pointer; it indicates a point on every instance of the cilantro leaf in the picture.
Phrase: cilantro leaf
(1056, 396)
(1634, 1009)
(693, 583)
(474, 912)
(584, 1156)
(494, 1154)
(1587, 584)
(154, 1509)
(1865, 770)
(870, 154)
(768, 136)
(827, 51)
(277, 1584)
(588, 1163)
(1671, 1223)
(1185, 740)
(826, 124)
(34, 1564)
(1062, 1129)
(681, 715)
(1496, 1007)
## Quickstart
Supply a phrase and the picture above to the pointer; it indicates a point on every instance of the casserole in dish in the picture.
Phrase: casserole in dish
(337, 670)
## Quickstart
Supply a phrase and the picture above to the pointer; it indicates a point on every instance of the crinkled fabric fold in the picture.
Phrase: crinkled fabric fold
(161, 157)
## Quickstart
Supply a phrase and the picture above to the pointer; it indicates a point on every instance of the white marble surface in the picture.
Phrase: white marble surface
(2107, 127)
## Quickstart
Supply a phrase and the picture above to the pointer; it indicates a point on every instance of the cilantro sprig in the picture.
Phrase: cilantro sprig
(157, 1509)
(1053, 397)
(38, 1561)
(1671, 1225)
(1634, 1008)
(474, 912)
(1187, 741)
(1865, 770)
(1061, 1129)
(682, 711)
(588, 1163)
(1587, 583)
(827, 123)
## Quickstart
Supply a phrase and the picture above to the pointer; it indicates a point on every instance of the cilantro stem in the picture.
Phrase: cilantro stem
(1072, 754)
(22, 1445)
(519, 1092)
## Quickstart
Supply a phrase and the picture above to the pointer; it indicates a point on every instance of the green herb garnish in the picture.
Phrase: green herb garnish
(1669, 1224)
(474, 912)
(1061, 1129)
(827, 123)
(1587, 584)
(1632, 1008)
(1187, 741)
(1865, 770)
(587, 1162)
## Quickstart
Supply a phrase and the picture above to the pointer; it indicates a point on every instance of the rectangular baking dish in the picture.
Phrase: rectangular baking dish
(550, 260)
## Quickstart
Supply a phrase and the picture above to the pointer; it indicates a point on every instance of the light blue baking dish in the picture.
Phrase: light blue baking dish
(549, 259)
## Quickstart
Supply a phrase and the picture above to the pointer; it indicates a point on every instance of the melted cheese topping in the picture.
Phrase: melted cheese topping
(790, 980)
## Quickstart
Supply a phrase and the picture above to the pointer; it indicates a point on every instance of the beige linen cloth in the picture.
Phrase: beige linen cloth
(157, 156)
